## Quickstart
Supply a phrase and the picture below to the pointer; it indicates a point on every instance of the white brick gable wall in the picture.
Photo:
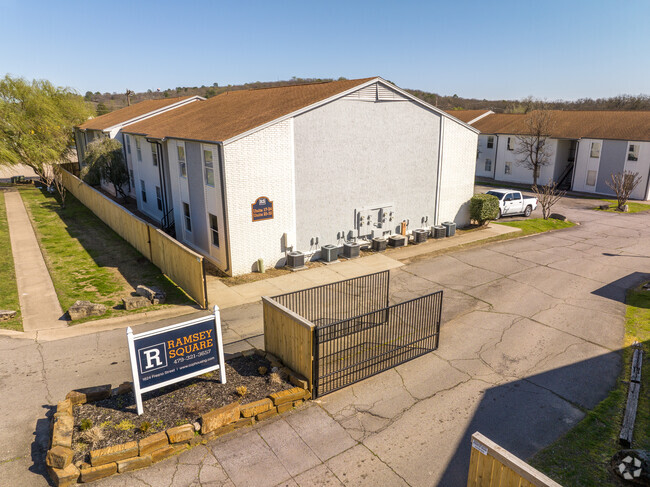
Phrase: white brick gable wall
(457, 173)
(260, 164)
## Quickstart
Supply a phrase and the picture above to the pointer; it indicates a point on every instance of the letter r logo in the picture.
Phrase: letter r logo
(152, 357)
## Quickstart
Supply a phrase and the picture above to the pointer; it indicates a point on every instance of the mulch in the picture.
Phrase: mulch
(116, 419)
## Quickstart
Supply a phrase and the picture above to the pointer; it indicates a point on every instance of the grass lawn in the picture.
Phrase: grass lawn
(633, 206)
(580, 458)
(86, 259)
(536, 225)
(8, 289)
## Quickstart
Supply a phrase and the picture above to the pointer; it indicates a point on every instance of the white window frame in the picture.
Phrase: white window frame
(633, 152)
(595, 174)
(159, 204)
(490, 142)
(214, 229)
(128, 144)
(488, 165)
(138, 149)
(187, 217)
(595, 148)
(143, 191)
(507, 168)
(208, 170)
(132, 178)
(154, 154)
(182, 163)
(511, 143)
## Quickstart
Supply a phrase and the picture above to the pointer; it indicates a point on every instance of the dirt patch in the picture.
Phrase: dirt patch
(114, 420)
(270, 273)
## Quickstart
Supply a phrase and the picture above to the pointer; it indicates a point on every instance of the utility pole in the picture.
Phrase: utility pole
(129, 94)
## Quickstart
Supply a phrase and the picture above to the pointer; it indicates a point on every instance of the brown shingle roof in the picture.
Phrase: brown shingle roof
(466, 115)
(232, 113)
(127, 113)
(570, 124)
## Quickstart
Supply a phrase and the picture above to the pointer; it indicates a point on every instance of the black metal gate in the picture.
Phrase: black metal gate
(357, 334)
(350, 350)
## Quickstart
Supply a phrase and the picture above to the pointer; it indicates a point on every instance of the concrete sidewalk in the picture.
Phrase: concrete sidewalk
(39, 304)
(228, 296)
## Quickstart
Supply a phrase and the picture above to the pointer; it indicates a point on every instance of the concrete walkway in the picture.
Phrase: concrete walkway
(228, 296)
(39, 304)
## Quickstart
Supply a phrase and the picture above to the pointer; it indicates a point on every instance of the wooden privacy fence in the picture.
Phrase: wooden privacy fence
(493, 466)
(175, 260)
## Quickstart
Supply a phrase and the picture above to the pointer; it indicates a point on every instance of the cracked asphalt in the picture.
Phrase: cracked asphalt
(531, 339)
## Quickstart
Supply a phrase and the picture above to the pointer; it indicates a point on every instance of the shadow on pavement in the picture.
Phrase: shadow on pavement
(617, 290)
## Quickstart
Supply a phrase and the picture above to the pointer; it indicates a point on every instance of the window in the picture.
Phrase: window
(159, 198)
(516, 196)
(154, 154)
(633, 152)
(209, 167)
(490, 142)
(507, 169)
(186, 217)
(511, 143)
(128, 144)
(138, 149)
(214, 229)
(591, 178)
(131, 179)
(595, 151)
(182, 165)
(488, 165)
(143, 191)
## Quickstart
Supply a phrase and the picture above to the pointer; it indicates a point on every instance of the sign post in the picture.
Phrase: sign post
(174, 353)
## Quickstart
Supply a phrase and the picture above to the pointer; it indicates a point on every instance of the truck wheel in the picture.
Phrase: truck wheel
(528, 211)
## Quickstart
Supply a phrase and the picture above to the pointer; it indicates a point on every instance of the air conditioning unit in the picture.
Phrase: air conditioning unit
(329, 253)
(419, 235)
(397, 240)
(439, 231)
(351, 250)
(296, 260)
(450, 228)
(379, 244)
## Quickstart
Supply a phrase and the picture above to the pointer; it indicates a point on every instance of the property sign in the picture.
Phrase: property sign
(174, 353)
(262, 209)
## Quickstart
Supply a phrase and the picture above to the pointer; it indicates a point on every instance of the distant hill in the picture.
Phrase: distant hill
(107, 102)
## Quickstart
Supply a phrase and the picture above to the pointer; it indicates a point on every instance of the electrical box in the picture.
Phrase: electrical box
(371, 220)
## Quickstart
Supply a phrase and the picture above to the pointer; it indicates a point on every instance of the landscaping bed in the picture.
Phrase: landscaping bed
(97, 433)
(175, 405)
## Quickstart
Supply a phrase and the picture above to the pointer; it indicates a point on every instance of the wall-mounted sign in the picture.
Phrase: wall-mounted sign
(262, 209)
(174, 353)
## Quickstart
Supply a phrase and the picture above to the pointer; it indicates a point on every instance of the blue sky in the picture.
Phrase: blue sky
(503, 49)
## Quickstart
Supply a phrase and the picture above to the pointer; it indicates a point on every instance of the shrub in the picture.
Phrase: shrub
(242, 391)
(85, 424)
(483, 208)
(144, 426)
(125, 425)
(275, 378)
(262, 370)
(92, 436)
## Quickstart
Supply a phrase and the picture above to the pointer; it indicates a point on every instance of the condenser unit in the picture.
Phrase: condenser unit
(420, 235)
(296, 260)
(351, 250)
(397, 240)
(329, 253)
(379, 244)
(439, 231)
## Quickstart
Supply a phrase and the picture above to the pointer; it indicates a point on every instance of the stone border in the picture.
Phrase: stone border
(134, 455)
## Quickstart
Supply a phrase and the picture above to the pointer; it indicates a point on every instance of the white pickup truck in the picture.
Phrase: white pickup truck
(512, 202)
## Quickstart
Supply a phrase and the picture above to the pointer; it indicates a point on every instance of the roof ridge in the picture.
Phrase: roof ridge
(301, 84)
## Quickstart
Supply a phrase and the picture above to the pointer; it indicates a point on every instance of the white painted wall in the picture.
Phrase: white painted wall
(145, 170)
(484, 153)
(457, 172)
(520, 174)
(260, 164)
(642, 166)
(584, 164)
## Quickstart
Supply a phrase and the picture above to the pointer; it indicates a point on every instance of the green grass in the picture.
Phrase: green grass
(8, 289)
(86, 259)
(580, 458)
(536, 225)
(633, 207)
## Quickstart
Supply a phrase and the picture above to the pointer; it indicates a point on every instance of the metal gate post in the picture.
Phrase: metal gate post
(314, 370)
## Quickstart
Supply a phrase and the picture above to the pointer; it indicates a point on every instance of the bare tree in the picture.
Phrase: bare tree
(57, 182)
(547, 196)
(533, 148)
(623, 184)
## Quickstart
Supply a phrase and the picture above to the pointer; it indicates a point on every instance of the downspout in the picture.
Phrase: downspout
(222, 175)
(440, 151)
